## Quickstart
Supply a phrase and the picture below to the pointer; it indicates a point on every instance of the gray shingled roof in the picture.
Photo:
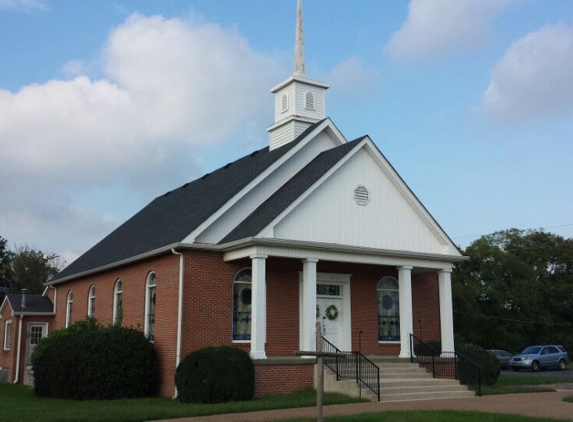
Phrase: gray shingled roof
(171, 217)
(34, 303)
(289, 192)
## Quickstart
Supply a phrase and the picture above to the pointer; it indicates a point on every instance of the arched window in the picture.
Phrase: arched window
(69, 306)
(91, 301)
(284, 102)
(388, 310)
(117, 303)
(309, 101)
(150, 307)
(242, 305)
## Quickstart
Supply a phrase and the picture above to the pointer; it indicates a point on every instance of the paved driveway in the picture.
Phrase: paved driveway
(549, 373)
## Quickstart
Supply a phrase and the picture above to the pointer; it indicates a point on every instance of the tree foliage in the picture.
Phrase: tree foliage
(516, 289)
(26, 267)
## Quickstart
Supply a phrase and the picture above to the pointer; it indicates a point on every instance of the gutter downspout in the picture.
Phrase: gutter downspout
(179, 313)
(18, 352)
(55, 297)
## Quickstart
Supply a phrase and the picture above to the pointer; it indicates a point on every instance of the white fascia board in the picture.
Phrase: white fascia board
(265, 231)
(34, 313)
(4, 302)
(294, 249)
(409, 195)
(326, 124)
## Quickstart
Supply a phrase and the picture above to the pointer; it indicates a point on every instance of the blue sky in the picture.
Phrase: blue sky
(105, 105)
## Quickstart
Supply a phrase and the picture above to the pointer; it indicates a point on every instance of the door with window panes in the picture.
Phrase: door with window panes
(329, 311)
(36, 331)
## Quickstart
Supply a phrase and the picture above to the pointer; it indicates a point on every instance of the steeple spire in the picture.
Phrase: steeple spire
(299, 101)
(299, 43)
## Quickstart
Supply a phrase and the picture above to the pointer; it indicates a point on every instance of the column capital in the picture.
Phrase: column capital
(258, 256)
(310, 260)
(445, 270)
(405, 267)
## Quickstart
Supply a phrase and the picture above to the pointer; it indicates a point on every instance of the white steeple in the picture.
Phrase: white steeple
(299, 43)
(299, 101)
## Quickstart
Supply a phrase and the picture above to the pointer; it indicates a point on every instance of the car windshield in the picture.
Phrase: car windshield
(532, 350)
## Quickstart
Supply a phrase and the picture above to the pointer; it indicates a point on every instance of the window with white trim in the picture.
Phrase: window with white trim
(91, 301)
(7, 334)
(242, 296)
(118, 303)
(69, 308)
(150, 306)
(388, 310)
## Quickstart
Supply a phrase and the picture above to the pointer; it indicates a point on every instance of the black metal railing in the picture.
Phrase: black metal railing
(356, 366)
(446, 364)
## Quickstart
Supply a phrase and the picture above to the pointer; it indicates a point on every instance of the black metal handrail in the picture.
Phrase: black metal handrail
(356, 366)
(446, 364)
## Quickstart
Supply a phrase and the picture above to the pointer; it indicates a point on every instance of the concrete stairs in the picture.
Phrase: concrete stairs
(400, 380)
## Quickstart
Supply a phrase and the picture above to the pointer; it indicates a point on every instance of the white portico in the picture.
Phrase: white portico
(309, 256)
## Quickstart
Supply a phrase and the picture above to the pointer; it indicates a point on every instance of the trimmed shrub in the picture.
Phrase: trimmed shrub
(215, 375)
(488, 363)
(89, 362)
(429, 348)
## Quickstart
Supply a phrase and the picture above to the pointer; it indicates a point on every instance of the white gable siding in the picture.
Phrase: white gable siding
(330, 213)
(262, 191)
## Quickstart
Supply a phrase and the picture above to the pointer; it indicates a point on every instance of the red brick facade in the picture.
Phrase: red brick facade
(208, 305)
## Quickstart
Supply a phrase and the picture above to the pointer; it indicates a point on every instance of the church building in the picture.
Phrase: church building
(311, 227)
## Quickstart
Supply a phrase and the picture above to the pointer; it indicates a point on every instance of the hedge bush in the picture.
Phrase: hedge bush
(429, 348)
(215, 375)
(87, 361)
(489, 365)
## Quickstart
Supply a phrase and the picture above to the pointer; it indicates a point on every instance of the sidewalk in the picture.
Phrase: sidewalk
(542, 405)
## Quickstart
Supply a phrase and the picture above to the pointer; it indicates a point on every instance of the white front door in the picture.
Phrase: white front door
(36, 331)
(329, 311)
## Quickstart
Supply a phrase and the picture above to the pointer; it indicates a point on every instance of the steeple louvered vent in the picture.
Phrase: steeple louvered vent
(361, 195)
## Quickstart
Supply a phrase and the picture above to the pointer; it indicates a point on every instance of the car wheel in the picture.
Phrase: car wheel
(535, 366)
(562, 365)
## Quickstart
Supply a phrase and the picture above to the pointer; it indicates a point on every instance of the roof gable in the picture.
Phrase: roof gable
(35, 304)
(322, 208)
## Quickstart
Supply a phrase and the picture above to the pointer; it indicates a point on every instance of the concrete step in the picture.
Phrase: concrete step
(399, 381)
(426, 395)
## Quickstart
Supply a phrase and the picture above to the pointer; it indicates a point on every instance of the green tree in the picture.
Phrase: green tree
(5, 260)
(31, 268)
(515, 289)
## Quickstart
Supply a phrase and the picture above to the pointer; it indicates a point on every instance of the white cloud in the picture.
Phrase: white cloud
(170, 86)
(534, 77)
(352, 79)
(439, 27)
(24, 5)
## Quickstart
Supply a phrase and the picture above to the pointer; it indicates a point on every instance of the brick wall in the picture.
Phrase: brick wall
(208, 305)
(8, 357)
(426, 306)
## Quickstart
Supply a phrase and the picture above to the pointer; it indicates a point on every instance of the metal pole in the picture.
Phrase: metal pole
(320, 377)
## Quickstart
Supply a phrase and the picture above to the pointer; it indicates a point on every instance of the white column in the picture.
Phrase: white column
(446, 313)
(308, 311)
(258, 307)
(406, 324)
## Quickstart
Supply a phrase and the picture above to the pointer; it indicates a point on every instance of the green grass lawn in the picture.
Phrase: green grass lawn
(18, 403)
(508, 384)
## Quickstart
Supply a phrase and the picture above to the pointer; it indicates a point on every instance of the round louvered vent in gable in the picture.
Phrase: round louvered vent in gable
(361, 195)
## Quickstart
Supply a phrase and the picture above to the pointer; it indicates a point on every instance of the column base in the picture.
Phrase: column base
(258, 355)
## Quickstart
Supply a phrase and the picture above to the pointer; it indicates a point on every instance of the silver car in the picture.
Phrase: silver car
(540, 357)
